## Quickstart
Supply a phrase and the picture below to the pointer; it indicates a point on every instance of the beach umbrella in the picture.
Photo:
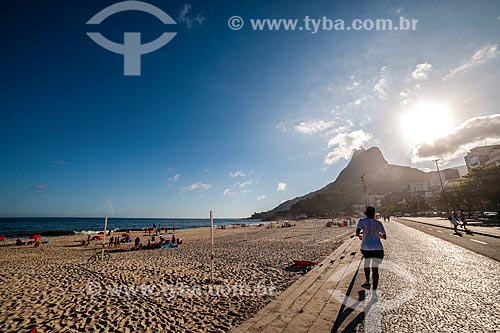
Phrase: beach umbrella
(36, 237)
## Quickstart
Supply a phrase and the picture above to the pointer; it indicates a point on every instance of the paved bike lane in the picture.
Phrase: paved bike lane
(430, 285)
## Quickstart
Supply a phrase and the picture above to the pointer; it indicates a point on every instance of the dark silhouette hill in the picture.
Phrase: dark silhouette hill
(380, 177)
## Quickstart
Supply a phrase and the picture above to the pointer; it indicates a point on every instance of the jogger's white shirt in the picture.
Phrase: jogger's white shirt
(371, 228)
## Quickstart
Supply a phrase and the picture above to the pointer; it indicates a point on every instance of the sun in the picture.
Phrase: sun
(426, 122)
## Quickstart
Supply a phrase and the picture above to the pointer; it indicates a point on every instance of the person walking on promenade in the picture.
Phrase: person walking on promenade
(371, 246)
(463, 219)
(454, 221)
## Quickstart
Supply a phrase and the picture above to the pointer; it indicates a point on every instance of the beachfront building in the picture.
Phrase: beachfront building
(375, 200)
(482, 156)
(416, 186)
(454, 182)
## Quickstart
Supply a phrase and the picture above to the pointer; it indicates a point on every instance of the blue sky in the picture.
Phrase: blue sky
(232, 121)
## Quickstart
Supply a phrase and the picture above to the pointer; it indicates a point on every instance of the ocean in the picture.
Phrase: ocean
(20, 227)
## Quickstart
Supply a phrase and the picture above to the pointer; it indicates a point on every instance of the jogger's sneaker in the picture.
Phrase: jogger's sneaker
(366, 285)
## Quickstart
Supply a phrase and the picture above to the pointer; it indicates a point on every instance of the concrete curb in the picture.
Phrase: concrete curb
(308, 305)
(438, 225)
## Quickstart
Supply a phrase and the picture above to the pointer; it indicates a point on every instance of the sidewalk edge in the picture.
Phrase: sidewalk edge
(437, 225)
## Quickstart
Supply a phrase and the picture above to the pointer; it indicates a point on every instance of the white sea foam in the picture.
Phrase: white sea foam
(87, 232)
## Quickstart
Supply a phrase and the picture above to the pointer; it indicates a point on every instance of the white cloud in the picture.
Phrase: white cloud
(481, 56)
(348, 125)
(39, 187)
(229, 192)
(421, 72)
(245, 183)
(312, 127)
(477, 131)
(191, 22)
(381, 87)
(281, 186)
(175, 178)
(238, 188)
(236, 174)
(196, 186)
(344, 144)
(261, 197)
(359, 100)
(353, 85)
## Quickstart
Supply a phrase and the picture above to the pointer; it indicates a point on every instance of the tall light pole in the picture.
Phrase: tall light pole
(442, 186)
(212, 254)
(364, 189)
(414, 182)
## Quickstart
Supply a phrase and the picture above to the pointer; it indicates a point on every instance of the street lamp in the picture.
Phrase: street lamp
(417, 190)
(442, 187)
(364, 189)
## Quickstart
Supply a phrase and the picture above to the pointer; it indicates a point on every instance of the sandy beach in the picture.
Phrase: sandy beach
(54, 288)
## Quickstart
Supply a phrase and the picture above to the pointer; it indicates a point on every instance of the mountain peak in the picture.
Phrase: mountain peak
(372, 156)
(347, 190)
(358, 151)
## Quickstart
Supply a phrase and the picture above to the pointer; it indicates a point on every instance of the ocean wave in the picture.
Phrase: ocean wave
(86, 232)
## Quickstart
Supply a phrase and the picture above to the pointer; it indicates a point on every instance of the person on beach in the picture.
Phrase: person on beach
(111, 242)
(137, 243)
(371, 246)
(88, 239)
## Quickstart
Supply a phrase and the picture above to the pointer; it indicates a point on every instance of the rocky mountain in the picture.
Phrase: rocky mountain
(380, 178)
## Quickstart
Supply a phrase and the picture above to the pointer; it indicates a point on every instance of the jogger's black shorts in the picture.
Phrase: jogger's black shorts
(373, 254)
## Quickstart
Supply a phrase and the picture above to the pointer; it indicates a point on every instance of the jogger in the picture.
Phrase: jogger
(371, 246)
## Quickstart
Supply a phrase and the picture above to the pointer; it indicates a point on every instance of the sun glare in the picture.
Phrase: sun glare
(426, 122)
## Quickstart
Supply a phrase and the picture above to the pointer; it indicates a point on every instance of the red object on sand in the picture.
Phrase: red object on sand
(304, 263)
(32, 330)
(36, 237)
(97, 238)
(3, 238)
